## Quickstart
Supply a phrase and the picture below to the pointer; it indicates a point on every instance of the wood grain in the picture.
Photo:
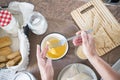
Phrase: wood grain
(85, 15)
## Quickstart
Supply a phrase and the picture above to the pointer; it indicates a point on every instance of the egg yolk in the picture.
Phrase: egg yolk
(58, 51)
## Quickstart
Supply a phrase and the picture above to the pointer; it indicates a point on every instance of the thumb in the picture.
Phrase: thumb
(38, 52)
(49, 62)
(84, 37)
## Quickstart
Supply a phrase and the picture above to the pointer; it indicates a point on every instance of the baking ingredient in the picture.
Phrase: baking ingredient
(80, 53)
(13, 55)
(102, 40)
(38, 23)
(5, 41)
(5, 51)
(7, 57)
(58, 51)
(3, 58)
(80, 76)
(13, 61)
(2, 65)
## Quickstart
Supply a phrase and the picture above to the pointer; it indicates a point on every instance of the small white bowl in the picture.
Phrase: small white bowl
(24, 75)
(58, 36)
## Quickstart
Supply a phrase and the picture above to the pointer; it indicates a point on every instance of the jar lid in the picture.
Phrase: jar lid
(5, 18)
(24, 76)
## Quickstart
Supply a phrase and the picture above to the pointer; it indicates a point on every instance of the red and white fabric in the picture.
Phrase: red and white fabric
(5, 18)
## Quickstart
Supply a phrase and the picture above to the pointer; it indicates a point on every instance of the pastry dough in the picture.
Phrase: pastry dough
(80, 76)
(88, 21)
(113, 32)
(70, 72)
(102, 40)
(96, 23)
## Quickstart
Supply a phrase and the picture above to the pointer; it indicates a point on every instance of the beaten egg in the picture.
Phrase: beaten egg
(57, 51)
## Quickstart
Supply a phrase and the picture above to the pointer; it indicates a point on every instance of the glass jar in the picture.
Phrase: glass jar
(8, 22)
(79, 52)
(37, 23)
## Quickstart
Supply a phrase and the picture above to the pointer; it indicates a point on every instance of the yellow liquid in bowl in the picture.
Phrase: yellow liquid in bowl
(56, 52)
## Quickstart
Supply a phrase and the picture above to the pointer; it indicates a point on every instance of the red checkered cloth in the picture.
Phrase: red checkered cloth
(5, 18)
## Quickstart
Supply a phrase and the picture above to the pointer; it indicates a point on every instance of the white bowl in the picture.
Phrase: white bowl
(58, 36)
(24, 75)
(81, 68)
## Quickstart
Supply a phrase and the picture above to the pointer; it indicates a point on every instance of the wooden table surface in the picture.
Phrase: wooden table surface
(57, 13)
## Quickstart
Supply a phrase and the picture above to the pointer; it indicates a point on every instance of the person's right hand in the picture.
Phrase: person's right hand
(87, 43)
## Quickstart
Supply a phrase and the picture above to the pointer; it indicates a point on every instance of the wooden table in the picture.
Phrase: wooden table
(57, 13)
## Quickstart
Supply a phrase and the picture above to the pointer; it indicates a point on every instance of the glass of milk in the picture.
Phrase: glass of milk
(38, 23)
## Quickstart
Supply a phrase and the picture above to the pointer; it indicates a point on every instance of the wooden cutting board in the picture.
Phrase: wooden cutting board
(106, 29)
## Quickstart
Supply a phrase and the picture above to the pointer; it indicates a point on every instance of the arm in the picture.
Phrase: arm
(106, 72)
(44, 64)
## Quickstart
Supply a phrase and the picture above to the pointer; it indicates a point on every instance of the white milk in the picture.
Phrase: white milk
(38, 23)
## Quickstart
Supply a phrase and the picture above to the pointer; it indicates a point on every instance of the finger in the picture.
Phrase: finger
(79, 38)
(91, 39)
(38, 52)
(78, 33)
(84, 37)
(79, 41)
(44, 52)
(76, 40)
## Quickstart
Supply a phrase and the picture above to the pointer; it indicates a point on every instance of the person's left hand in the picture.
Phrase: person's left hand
(44, 64)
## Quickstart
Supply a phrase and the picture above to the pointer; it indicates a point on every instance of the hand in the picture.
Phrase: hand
(44, 64)
(87, 43)
(78, 40)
